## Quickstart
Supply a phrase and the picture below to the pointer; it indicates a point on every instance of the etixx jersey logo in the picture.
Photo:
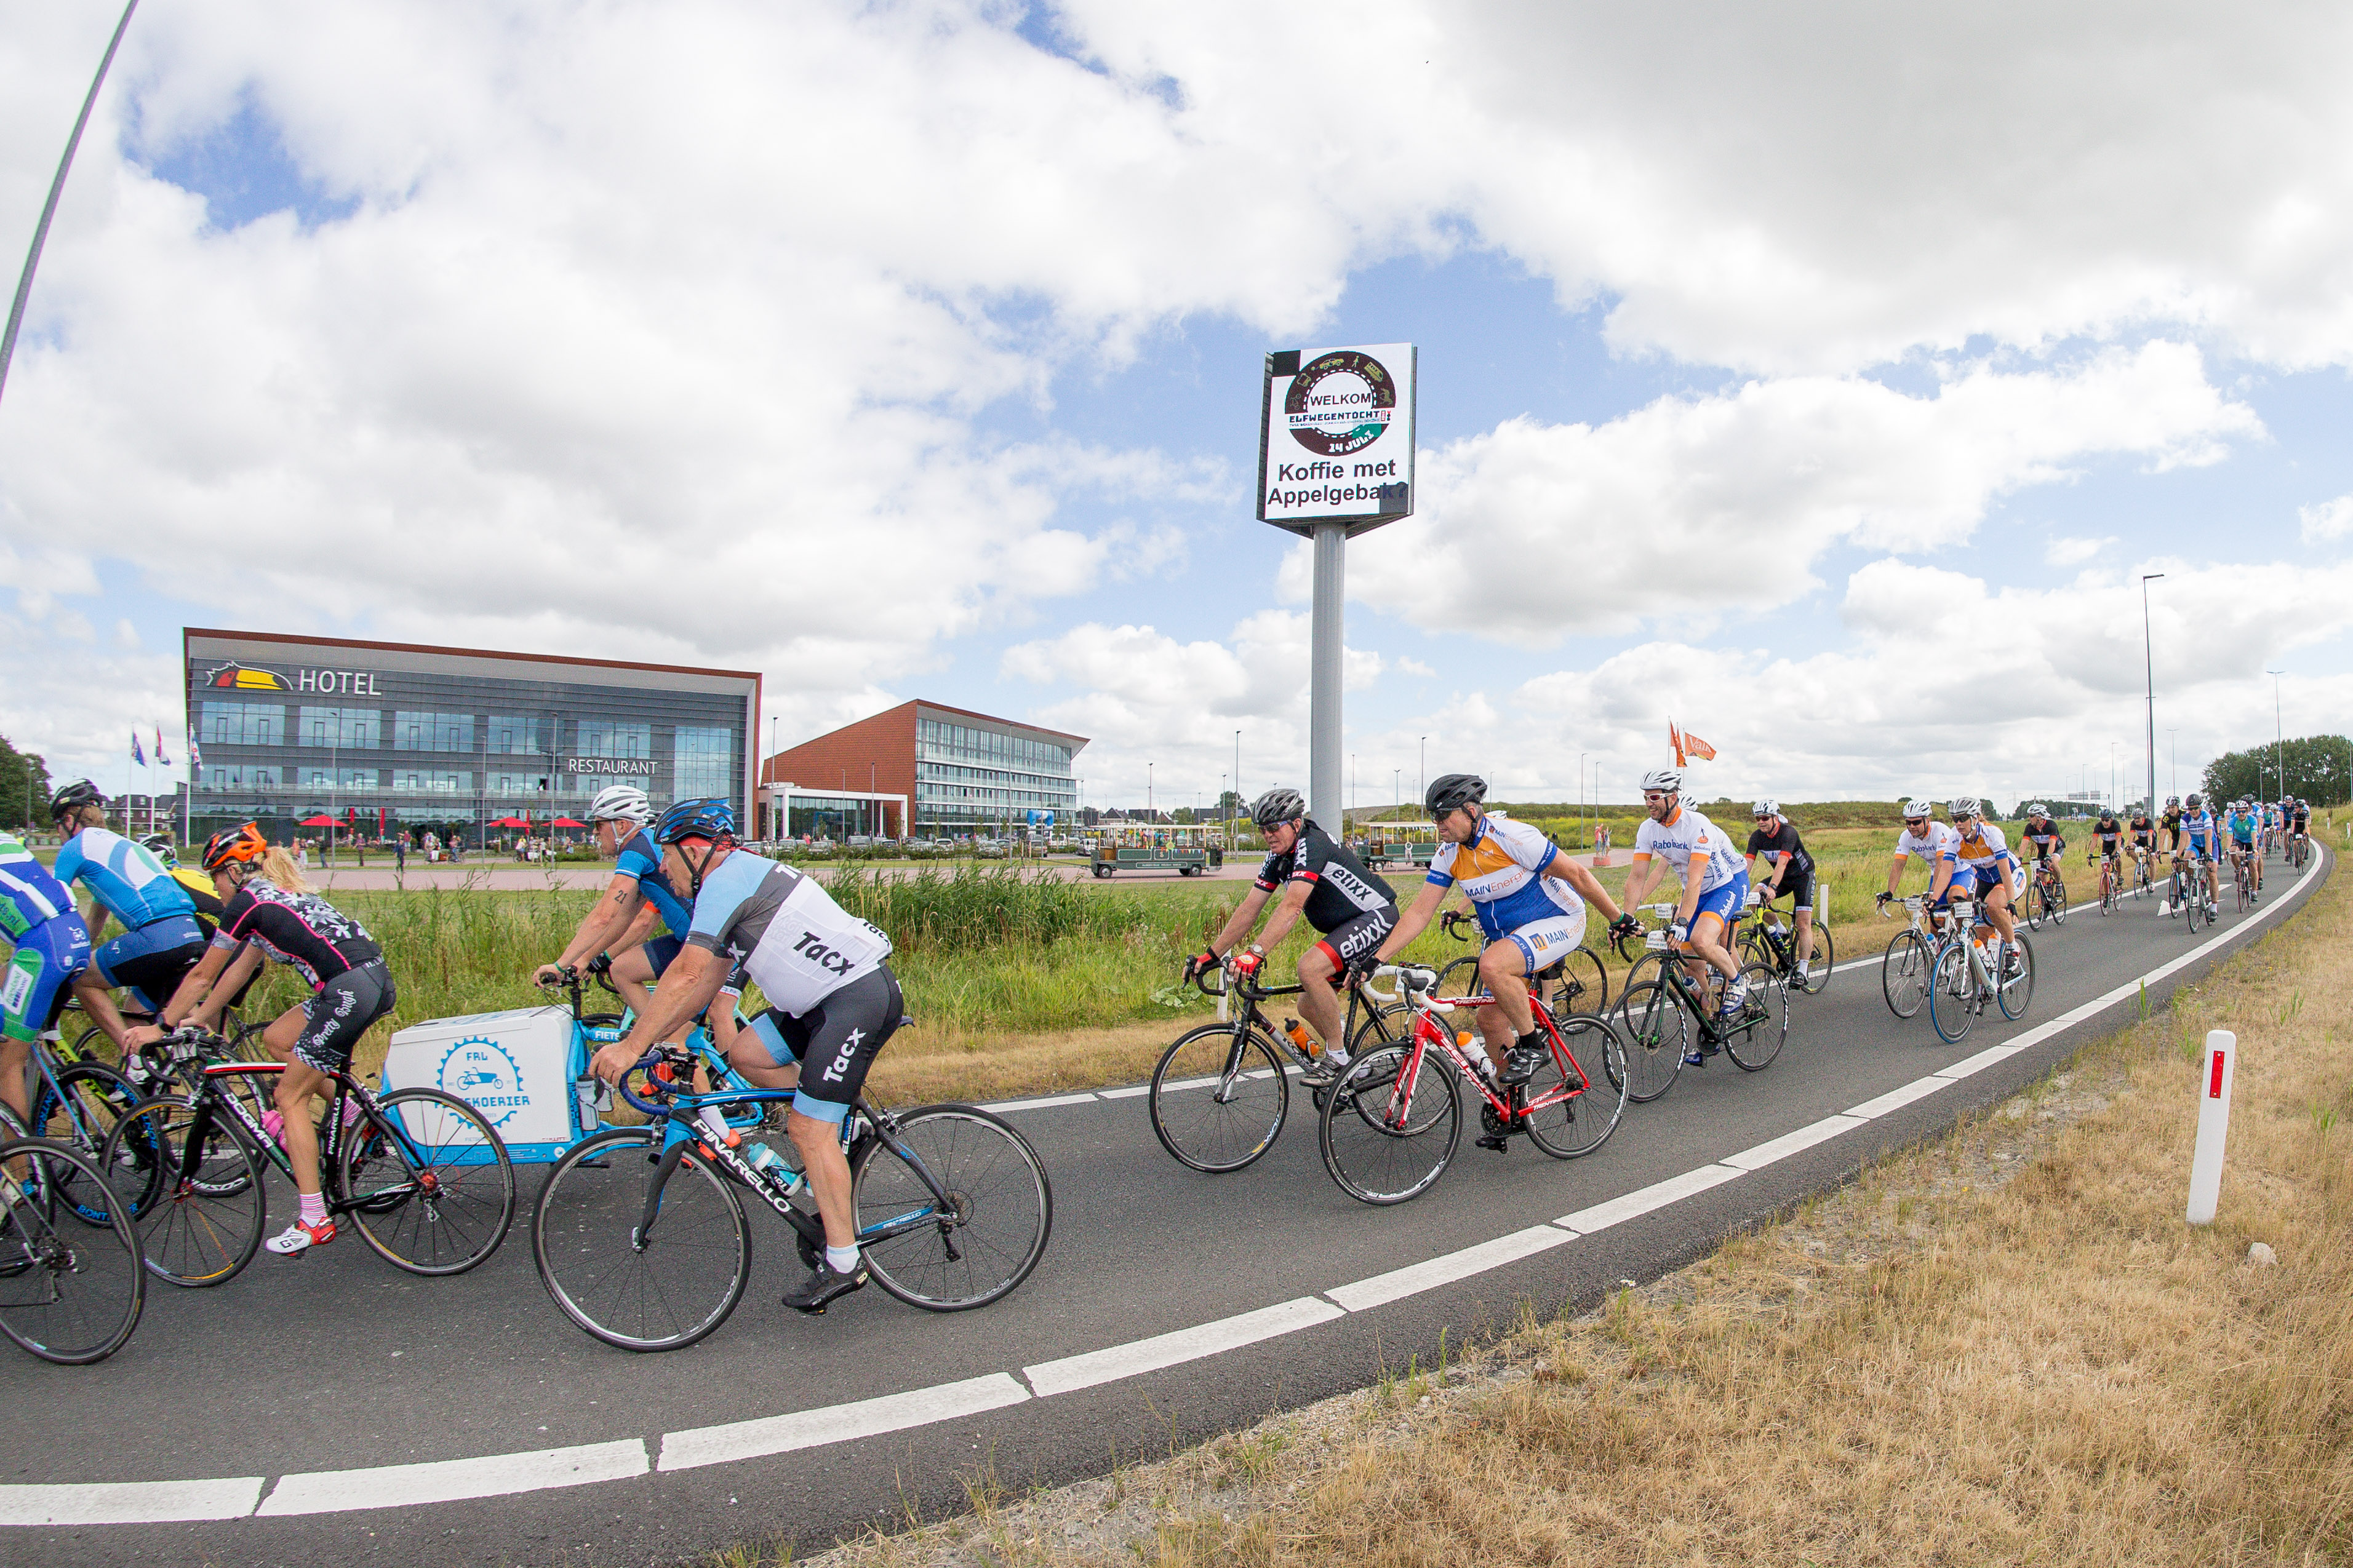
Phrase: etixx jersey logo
(234, 676)
(481, 1071)
(1340, 402)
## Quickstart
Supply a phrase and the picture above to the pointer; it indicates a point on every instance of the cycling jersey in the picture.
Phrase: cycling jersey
(784, 930)
(1983, 846)
(2200, 825)
(299, 930)
(2243, 828)
(2143, 830)
(1781, 845)
(200, 893)
(1502, 872)
(1339, 888)
(641, 860)
(2172, 821)
(30, 893)
(2045, 840)
(133, 885)
(2108, 831)
(51, 944)
(1685, 835)
(1941, 842)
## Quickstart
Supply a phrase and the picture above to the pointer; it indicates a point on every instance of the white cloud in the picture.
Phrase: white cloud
(1414, 666)
(2329, 520)
(2071, 552)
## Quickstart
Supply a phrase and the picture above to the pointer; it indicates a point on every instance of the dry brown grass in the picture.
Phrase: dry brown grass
(2003, 1347)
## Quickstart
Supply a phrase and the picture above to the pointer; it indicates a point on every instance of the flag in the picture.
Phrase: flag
(136, 755)
(196, 758)
(1676, 739)
(1698, 748)
(161, 760)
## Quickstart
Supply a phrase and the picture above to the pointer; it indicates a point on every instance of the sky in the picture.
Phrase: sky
(1824, 379)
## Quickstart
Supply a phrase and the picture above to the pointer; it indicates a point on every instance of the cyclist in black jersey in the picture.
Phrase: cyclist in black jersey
(2170, 821)
(1325, 882)
(1776, 837)
(2106, 849)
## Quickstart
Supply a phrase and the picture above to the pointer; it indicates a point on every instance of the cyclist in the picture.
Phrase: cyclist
(2300, 818)
(2042, 841)
(161, 940)
(833, 1004)
(1985, 854)
(1530, 900)
(2244, 824)
(52, 947)
(268, 910)
(1325, 882)
(1923, 835)
(2171, 822)
(1715, 878)
(2144, 833)
(616, 925)
(2195, 841)
(2107, 852)
(1775, 837)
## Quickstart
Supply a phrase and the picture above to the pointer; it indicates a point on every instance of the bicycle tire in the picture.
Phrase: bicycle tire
(1825, 960)
(2038, 906)
(1753, 1043)
(1001, 1211)
(1388, 1152)
(1584, 986)
(199, 1216)
(2013, 992)
(70, 1294)
(1460, 977)
(583, 1228)
(2193, 909)
(1651, 1024)
(414, 1199)
(95, 1097)
(1903, 972)
(1952, 991)
(1198, 1129)
(2057, 901)
(1380, 1027)
(1580, 1124)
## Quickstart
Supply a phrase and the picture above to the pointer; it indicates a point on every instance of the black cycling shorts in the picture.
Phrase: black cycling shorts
(1798, 885)
(335, 1019)
(1352, 944)
(152, 977)
(835, 1041)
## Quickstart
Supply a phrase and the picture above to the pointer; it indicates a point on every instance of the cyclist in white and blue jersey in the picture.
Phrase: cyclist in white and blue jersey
(833, 1004)
(160, 940)
(2197, 838)
(637, 895)
(51, 948)
(1715, 875)
(1934, 842)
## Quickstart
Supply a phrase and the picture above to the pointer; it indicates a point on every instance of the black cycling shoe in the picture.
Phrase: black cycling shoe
(1521, 1063)
(825, 1286)
(1498, 1141)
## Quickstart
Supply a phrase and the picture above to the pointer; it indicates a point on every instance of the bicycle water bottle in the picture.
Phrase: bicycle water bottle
(1309, 1046)
(770, 1166)
(1474, 1048)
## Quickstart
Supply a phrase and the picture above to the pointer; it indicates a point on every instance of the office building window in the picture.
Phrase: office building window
(419, 731)
(237, 776)
(323, 779)
(611, 738)
(347, 729)
(518, 783)
(702, 764)
(509, 733)
(425, 781)
(241, 724)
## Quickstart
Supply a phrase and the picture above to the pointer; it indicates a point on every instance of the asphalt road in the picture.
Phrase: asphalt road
(335, 1362)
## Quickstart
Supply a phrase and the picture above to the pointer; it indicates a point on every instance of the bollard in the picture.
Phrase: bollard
(2221, 1063)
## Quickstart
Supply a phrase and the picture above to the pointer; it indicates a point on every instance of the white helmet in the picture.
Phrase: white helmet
(621, 803)
(1667, 780)
(1768, 807)
(2038, 810)
(1919, 805)
(1963, 805)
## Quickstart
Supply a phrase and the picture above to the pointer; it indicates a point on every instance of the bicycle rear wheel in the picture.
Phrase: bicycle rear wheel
(1953, 991)
(2038, 905)
(2013, 991)
(660, 1290)
(1579, 1122)
(1218, 1097)
(70, 1292)
(94, 1099)
(1763, 1030)
(1391, 1124)
(438, 1200)
(972, 1231)
(1651, 1026)
(2057, 900)
(1904, 973)
(193, 1190)
(1583, 986)
(1825, 959)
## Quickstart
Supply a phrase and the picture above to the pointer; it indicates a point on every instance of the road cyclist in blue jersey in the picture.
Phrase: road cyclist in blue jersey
(1715, 875)
(1986, 861)
(2244, 826)
(161, 939)
(617, 926)
(833, 1005)
(50, 950)
(2196, 841)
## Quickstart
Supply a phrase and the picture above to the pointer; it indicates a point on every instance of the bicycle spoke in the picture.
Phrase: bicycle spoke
(993, 1228)
(681, 1284)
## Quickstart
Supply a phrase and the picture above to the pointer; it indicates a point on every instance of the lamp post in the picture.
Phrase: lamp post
(1147, 793)
(1396, 799)
(1425, 767)
(2148, 667)
(2279, 745)
(1580, 793)
(2173, 747)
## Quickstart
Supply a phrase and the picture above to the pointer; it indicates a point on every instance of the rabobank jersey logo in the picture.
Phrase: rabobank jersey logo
(481, 1071)
(234, 676)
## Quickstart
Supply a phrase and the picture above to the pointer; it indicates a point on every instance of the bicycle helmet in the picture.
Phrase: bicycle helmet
(621, 803)
(1763, 808)
(2193, 801)
(72, 798)
(1452, 792)
(1918, 808)
(2173, 800)
(1665, 781)
(233, 844)
(160, 845)
(712, 818)
(2038, 810)
(1277, 805)
(1963, 807)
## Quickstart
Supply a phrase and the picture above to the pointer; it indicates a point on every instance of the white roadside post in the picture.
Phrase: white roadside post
(2221, 1064)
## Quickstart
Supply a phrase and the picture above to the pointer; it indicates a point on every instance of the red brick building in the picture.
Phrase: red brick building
(921, 770)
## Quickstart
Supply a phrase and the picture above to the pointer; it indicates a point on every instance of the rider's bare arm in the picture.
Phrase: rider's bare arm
(1412, 922)
(1286, 914)
(693, 979)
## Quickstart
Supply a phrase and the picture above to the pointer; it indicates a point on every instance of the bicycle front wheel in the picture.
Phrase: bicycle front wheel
(1818, 978)
(70, 1292)
(94, 1098)
(640, 1287)
(1218, 1097)
(429, 1182)
(1649, 1025)
(1953, 992)
(1904, 973)
(1575, 1105)
(2013, 990)
(193, 1189)
(1391, 1124)
(953, 1208)
(1764, 1026)
(2038, 906)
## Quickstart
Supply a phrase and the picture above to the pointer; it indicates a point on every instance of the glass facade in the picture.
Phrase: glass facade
(971, 776)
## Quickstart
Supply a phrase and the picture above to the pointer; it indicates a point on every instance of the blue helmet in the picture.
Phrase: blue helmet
(711, 818)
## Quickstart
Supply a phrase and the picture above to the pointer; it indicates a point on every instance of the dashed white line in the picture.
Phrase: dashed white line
(1763, 1154)
(1416, 1278)
(837, 1423)
(1643, 1200)
(130, 1503)
(454, 1480)
(1115, 1362)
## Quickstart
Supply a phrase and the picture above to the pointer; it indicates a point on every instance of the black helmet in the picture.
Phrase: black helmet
(73, 797)
(1279, 805)
(1451, 792)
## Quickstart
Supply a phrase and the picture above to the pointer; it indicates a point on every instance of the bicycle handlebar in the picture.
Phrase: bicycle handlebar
(659, 1057)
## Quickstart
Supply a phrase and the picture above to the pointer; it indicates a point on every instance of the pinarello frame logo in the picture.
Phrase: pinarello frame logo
(234, 676)
(1340, 402)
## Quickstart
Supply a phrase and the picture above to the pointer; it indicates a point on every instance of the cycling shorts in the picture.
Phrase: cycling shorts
(1351, 944)
(1972, 882)
(33, 987)
(151, 961)
(2113, 849)
(1544, 943)
(835, 1042)
(1797, 885)
(335, 1019)
(1725, 902)
(659, 951)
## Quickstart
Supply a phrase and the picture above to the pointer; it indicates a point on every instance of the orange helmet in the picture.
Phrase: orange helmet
(234, 843)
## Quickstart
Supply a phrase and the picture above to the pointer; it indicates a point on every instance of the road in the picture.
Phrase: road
(345, 1400)
(505, 873)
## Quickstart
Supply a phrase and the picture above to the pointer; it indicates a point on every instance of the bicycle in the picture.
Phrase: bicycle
(2111, 880)
(1773, 943)
(1650, 1016)
(1963, 977)
(425, 1179)
(2047, 898)
(951, 1205)
(1574, 983)
(2196, 901)
(69, 1294)
(77, 1105)
(1244, 1066)
(1393, 1121)
(1903, 968)
(2143, 881)
(2300, 848)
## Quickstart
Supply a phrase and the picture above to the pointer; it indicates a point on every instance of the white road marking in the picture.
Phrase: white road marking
(130, 1503)
(1985, 1058)
(837, 1423)
(1115, 1362)
(1415, 1277)
(1129, 1093)
(1643, 1200)
(1760, 1155)
(1002, 1106)
(452, 1480)
(1896, 1098)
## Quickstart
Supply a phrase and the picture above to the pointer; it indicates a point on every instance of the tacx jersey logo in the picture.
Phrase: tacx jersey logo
(234, 676)
(818, 953)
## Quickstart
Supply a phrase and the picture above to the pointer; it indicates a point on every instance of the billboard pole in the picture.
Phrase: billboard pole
(1324, 664)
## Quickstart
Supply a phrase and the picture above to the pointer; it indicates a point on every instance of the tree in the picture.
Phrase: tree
(2316, 767)
(1231, 804)
(23, 788)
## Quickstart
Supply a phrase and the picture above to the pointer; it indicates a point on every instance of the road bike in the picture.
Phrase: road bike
(1574, 983)
(1903, 968)
(76, 1103)
(1661, 1003)
(642, 1237)
(1393, 1121)
(2194, 893)
(1221, 1092)
(71, 1290)
(2242, 876)
(2143, 881)
(2300, 848)
(2047, 898)
(1773, 943)
(1964, 976)
(422, 1176)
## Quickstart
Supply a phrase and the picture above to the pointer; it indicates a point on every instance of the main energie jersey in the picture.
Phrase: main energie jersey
(1686, 834)
(1982, 845)
(29, 895)
(784, 930)
(1502, 871)
(135, 886)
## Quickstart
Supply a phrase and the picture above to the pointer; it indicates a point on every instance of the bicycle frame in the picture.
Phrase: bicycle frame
(1429, 1032)
(1359, 989)
(208, 1096)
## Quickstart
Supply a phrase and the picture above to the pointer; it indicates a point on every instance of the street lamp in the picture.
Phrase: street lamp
(2148, 665)
(2174, 747)
(1425, 767)
(2279, 745)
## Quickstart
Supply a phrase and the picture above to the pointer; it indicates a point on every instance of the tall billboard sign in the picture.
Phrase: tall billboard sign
(1335, 437)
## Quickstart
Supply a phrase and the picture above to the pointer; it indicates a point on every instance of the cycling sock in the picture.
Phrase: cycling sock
(314, 1208)
(841, 1259)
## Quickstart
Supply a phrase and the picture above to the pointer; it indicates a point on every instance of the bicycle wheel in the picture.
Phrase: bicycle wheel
(1904, 973)
(69, 1293)
(438, 1200)
(2193, 906)
(1391, 1124)
(1218, 1097)
(2014, 990)
(1825, 959)
(1952, 991)
(970, 1233)
(660, 1290)
(2038, 905)
(2056, 901)
(94, 1099)
(1649, 1025)
(1763, 1030)
(1385, 1026)
(1578, 1124)
(193, 1190)
(1583, 986)
(1460, 978)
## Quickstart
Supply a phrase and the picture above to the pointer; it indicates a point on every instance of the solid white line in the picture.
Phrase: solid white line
(1415, 1277)
(1760, 1155)
(837, 1423)
(130, 1503)
(1115, 1362)
(1643, 1200)
(1005, 1105)
(1128, 1093)
(453, 1480)
(1896, 1098)
(1967, 1066)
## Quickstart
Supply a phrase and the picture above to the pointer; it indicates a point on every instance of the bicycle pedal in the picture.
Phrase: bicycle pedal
(1500, 1143)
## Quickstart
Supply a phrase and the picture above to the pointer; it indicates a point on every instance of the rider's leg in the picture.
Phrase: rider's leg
(844, 1033)
(1708, 932)
(1996, 905)
(15, 1055)
(1503, 969)
(1319, 1002)
(1805, 924)
(765, 1053)
(820, 1144)
(633, 976)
